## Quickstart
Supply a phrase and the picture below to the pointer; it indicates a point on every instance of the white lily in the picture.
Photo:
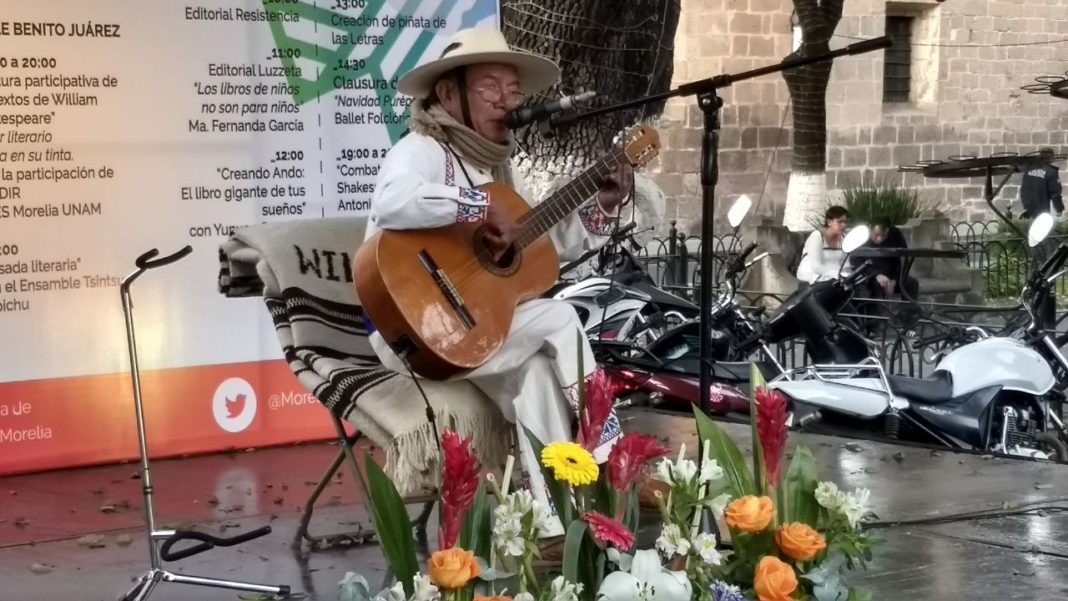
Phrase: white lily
(645, 580)
(424, 588)
(719, 504)
(828, 496)
(394, 593)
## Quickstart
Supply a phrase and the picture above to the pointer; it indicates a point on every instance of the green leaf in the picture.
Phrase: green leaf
(477, 526)
(756, 380)
(576, 534)
(580, 342)
(726, 453)
(392, 524)
(798, 500)
(859, 594)
(630, 518)
(601, 495)
(559, 492)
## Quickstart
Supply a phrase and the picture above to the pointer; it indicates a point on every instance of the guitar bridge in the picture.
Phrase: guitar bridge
(447, 288)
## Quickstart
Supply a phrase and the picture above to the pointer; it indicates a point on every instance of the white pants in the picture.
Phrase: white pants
(532, 379)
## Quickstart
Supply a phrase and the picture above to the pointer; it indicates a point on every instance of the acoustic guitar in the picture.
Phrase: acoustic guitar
(438, 296)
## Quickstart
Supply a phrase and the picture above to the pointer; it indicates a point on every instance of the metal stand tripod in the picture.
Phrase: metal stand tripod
(156, 574)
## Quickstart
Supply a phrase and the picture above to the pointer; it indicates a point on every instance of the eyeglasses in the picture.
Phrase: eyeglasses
(492, 93)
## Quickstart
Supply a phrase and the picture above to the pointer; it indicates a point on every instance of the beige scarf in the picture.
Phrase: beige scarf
(484, 154)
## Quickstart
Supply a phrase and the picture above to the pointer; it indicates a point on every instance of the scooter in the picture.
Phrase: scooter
(994, 395)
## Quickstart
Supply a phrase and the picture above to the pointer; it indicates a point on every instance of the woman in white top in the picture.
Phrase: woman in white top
(823, 257)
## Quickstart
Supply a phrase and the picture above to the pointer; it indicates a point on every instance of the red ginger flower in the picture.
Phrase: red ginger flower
(629, 455)
(601, 392)
(771, 429)
(459, 483)
(608, 531)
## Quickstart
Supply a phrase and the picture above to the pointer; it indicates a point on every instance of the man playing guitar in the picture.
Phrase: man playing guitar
(458, 141)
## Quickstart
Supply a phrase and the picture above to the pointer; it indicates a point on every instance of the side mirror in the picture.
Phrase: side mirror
(739, 210)
(855, 238)
(1040, 228)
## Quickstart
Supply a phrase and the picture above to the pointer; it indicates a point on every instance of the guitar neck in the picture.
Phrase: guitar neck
(565, 200)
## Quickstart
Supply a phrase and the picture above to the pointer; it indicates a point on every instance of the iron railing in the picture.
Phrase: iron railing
(674, 261)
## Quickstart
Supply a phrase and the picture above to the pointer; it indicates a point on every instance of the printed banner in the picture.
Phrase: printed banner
(127, 126)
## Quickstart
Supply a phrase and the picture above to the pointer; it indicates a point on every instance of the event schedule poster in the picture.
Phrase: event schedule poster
(128, 125)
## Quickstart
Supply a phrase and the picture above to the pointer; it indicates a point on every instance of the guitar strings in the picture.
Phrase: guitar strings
(542, 217)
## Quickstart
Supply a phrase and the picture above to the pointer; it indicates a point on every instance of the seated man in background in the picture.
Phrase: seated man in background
(886, 271)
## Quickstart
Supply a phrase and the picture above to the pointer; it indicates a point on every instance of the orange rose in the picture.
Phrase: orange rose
(452, 568)
(774, 580)
(750, 514)
(799, 541)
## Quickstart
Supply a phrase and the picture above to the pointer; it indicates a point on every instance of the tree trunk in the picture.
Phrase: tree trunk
(806, 195)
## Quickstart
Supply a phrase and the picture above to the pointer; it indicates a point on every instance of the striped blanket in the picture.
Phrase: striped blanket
(303, 271)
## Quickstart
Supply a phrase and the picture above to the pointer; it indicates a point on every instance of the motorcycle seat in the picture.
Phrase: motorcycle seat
(731, 371)
(932, 390)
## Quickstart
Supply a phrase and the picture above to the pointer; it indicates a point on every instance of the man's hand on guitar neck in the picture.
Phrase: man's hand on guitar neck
(615, 187)
(501, 230)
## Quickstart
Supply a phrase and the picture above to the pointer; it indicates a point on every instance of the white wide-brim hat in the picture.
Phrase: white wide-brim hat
(480, 45)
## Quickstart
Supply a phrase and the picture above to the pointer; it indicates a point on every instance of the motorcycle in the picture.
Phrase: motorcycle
(993, 394)
(665, 373)
(621, 302)
(662, 372)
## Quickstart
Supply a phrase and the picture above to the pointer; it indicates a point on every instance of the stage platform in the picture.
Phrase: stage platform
(45, 553)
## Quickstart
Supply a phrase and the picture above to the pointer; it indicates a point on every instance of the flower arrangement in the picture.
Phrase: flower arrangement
(790, 536)
(489, 535)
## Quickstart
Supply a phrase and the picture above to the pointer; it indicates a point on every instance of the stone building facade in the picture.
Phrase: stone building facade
(960, 95)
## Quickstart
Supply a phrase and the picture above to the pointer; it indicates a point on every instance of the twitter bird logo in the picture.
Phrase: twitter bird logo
(234, 405)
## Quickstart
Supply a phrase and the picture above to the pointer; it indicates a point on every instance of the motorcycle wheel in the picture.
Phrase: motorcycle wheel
(1055, 444)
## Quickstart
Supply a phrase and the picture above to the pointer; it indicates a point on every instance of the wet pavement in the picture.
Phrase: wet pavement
(45, 553)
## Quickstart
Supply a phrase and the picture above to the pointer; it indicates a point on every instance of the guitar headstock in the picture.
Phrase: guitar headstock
(641, 144)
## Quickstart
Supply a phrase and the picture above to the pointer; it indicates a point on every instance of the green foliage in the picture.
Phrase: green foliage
(559, 493)
(756, 381)
(575, 559)
(392, 524)
(475, 535)
(1005, 264)
(1060, 228)
(797, 497)
(867, 201)
(726, 453)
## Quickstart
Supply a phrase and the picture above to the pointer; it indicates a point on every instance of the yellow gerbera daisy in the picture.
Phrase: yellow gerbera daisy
(570, 463)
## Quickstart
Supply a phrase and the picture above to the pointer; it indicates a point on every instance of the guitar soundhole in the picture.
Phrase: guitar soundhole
(506, 264)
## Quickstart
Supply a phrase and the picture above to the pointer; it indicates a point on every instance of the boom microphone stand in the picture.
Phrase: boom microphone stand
(710, 103)
(157, 555)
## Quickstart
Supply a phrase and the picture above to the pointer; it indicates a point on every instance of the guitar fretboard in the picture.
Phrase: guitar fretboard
(565, 200)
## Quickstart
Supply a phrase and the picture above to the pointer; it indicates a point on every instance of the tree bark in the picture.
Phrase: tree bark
(808, 84)
(808, 95)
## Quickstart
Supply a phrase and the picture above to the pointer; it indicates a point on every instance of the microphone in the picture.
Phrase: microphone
(525, 116)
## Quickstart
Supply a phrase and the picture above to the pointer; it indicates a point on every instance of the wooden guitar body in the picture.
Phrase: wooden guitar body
(438, 296)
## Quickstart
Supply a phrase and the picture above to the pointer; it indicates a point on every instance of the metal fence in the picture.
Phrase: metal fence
(1004, 260)
(674, 262)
